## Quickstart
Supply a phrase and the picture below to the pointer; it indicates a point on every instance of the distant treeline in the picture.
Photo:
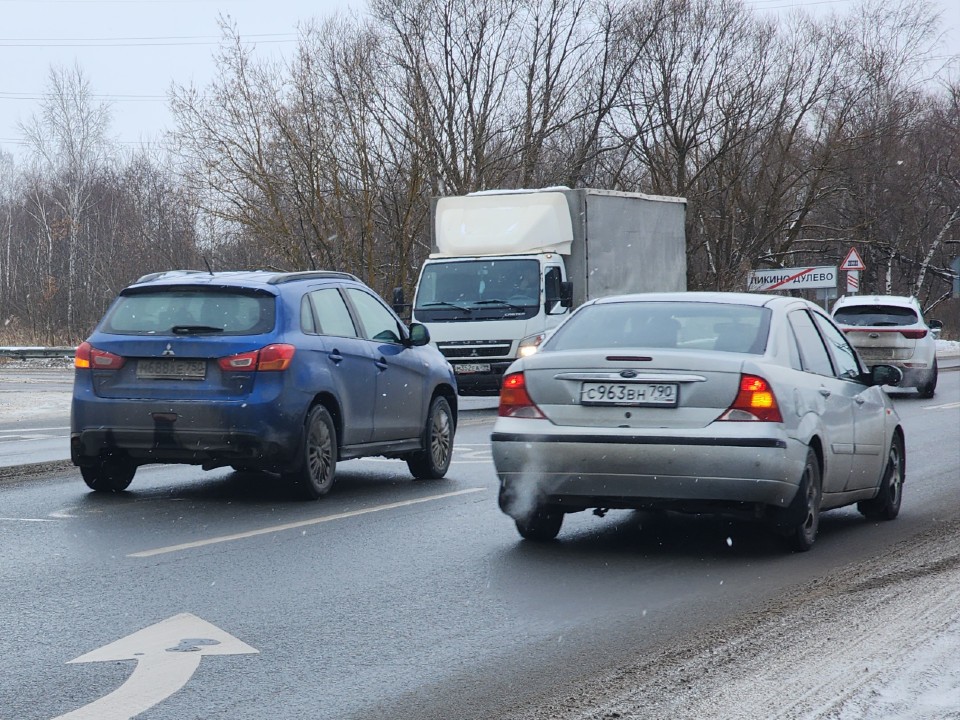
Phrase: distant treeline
(793, 139)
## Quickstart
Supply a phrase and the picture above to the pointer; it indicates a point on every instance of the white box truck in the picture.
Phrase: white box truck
(509, 265)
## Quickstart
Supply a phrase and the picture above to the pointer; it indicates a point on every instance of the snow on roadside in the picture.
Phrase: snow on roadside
(873, 641)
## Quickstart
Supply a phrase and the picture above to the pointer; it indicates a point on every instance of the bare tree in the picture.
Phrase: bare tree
(68, 145)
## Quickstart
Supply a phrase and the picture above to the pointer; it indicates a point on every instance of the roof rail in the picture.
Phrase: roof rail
(311, 275)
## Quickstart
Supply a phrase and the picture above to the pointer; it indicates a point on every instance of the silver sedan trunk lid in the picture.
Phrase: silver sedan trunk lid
(633, 389)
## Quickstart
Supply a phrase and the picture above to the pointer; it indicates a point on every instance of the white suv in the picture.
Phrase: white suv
(890, 330)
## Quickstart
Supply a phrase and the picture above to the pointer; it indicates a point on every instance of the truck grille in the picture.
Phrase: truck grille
(475, 348)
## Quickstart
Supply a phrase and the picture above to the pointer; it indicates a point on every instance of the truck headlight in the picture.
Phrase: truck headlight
(529, 345)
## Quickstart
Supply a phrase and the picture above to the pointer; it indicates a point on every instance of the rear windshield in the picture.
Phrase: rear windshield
(191, 311)
(683, 325)
(875, 315)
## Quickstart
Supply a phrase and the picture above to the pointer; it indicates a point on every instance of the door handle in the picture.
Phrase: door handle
(335, 357)
(859, 400)
(381, 363)
(824, 392)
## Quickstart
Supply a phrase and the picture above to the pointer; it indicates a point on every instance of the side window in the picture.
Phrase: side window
(308, 324)
(843, 354)
(331, 313)
(378, 322)
(813, 355)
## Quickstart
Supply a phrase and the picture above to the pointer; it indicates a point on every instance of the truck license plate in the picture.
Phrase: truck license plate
(469, 368)
(634, 394)
(174, 369)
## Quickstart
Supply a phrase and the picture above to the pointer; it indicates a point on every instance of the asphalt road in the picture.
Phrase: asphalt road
(389, 598)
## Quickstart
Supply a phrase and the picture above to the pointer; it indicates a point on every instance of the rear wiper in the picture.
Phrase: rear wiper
(194, 329)
(495, 301)
(448, 304)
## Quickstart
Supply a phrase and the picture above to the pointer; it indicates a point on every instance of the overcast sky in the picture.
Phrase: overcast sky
(132, 50)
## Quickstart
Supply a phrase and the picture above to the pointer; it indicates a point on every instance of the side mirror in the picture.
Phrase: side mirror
(885, 375)
(419, 335)
(936, 327)
(566, 293)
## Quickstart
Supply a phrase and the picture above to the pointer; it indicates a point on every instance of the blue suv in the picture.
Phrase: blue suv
(281, 372)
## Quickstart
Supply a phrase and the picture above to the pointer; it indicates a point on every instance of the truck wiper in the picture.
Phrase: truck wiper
(448, 304)
(495, 301)
(195, 329)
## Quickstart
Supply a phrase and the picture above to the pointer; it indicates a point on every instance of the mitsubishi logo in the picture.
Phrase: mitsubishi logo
(473, 353)
(168, 351)
(874, 336)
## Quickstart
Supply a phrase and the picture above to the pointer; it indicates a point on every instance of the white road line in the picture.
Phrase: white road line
(19, 430)
(294, 525)
(13, 519)
(945, 406)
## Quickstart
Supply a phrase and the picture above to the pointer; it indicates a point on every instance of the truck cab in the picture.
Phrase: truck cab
(485, 311)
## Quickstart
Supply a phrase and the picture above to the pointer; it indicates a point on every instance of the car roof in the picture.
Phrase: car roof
(733, 298)
(896, 300)
(242, 278)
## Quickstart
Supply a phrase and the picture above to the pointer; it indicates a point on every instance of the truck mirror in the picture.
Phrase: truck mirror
(398, 304)
(566, 293)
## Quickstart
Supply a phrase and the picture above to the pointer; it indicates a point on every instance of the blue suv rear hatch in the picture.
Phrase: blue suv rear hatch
(173, 342)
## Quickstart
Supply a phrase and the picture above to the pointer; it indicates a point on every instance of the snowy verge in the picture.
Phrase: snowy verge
(874, 640)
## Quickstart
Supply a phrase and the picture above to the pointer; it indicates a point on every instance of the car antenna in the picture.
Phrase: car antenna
(207, 263)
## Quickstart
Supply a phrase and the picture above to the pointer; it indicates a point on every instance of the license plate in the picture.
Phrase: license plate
(469, 368)
(173, 369)
(634, 394)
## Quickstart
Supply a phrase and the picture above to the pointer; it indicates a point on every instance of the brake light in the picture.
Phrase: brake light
(914, 334)
(515, 400)
(87, 356)
(267, 359)
(755, 401)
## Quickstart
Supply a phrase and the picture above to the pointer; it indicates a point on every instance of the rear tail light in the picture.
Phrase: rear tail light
(267, 359)
(755, 402)
(914, 334)
(87, 356)
(514, 399)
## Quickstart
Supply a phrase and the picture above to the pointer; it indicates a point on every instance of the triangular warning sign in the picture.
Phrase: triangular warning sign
(853, 261)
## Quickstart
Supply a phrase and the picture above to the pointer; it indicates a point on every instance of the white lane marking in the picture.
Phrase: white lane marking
(298, 524)
(167, 655)
(15, 519)
(945, 406)
(18, 430)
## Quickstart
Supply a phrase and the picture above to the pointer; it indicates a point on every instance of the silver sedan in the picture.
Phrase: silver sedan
(730, 403)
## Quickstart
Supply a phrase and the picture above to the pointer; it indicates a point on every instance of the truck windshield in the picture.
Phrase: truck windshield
(480, 283)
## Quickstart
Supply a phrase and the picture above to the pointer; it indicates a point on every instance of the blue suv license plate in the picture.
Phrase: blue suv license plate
(174, 369)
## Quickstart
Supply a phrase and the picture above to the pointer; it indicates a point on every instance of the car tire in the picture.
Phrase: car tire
(433, 461)
(886, 505)
(927, 389)
(315, 474)
(109, 475)
(541, 524)
(800, 521)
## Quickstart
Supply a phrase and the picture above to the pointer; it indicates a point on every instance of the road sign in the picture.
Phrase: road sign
(853, 281)
(791, 279)
(853, 261)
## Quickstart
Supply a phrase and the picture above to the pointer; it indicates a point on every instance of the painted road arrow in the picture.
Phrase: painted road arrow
(167, 655)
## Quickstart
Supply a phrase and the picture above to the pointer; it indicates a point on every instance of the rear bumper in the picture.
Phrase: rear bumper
(694, 470)
(191, 432)
(165, 446)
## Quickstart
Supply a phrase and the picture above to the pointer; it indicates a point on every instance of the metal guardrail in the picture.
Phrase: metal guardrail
(26, 353)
